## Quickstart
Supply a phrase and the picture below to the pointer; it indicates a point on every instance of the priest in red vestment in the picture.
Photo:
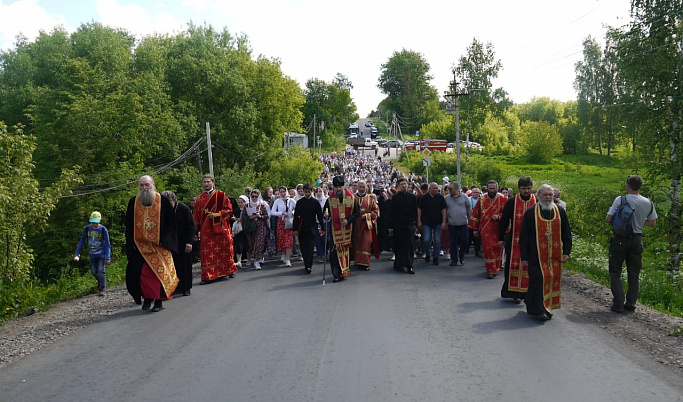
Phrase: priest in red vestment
(516, 275)
(211, 216)
(150, 240)
(485, 222)
(343, 210)
(365, 229)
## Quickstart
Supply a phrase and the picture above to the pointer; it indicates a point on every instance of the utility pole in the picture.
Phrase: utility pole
(315, 142)
(455, 107)
(208, 143)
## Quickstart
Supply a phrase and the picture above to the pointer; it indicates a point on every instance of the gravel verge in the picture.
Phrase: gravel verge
(646, 330)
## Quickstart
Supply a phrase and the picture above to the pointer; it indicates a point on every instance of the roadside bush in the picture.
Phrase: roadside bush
(540, 141)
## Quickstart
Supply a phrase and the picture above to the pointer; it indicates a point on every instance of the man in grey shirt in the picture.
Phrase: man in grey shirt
(459, 210)
(629, 248)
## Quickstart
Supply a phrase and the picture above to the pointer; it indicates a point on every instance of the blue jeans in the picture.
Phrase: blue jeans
(459, 238)
(427, 233)
(97, 270)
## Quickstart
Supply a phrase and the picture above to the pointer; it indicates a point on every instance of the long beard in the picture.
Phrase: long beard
(146, 197)
(546, 207)
(492, 195)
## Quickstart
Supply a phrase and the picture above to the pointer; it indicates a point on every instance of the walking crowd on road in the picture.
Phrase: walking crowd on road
(359, 207)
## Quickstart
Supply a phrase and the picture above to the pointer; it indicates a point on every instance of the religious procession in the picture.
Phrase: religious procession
(359, 208)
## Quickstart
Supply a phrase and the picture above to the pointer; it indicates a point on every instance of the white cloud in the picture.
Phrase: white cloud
(135, 18)
(14, 21)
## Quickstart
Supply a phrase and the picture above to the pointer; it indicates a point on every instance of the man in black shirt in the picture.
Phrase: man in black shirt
(307, 209)
(402, 226)
(432, 218)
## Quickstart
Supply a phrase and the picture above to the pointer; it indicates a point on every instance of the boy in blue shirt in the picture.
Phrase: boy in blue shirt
(98, 249)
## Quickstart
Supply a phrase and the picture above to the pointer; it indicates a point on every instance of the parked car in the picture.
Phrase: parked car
(393, 144)
(368, 123)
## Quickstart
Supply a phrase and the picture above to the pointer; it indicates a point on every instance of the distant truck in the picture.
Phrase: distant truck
(360, 142)
(433, 145)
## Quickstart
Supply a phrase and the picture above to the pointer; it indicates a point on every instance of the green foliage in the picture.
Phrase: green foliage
(330, 104)
(541, 141)
(477, 70)
(22, 203)
(291, 167)
(25, 297)
(405, 80)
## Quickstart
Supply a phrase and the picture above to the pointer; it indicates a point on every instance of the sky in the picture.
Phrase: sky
(537, 41)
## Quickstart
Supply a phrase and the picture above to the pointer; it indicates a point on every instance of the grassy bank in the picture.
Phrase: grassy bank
(24, 298)
(589, 184)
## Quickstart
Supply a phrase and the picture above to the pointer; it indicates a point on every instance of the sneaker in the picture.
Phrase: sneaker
(393, 257)
(238, 264)
(262, 260)
(453, 263)
(630, 309)
(257, 265)
(102, 294)
(427, 258)
(462, 262)
(282, 258)
(441, 253)
(288, 263)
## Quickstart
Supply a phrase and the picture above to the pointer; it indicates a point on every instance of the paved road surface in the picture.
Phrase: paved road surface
(278, 335)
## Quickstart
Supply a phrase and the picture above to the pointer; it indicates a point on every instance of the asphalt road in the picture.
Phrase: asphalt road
(277, 334)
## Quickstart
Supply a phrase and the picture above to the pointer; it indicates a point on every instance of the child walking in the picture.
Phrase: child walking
(99, 249)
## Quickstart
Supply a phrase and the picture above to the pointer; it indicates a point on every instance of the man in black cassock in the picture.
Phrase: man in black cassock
(185, 232)
(305, 213)
(539, 233)
(138, 280)
(402, 226)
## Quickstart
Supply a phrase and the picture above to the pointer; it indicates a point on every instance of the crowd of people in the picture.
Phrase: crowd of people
(359, 207)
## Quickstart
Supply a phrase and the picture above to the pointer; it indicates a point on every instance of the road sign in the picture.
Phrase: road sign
(426, 152)
(426, 162)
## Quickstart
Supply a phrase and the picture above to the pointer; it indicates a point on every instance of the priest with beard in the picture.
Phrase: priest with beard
(545, 242)
(516, 276)
(150, 242)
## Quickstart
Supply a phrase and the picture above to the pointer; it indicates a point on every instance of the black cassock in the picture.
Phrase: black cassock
(135, 260)
(403, 222)
(185, 231)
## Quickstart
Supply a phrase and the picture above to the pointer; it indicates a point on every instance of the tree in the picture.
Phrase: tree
(540, 141)
(649, 58)
(405, 80)
(22, 203)
(331, 105)
(476, 71)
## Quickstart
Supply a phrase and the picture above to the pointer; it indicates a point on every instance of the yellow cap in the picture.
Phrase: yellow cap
(95, 217)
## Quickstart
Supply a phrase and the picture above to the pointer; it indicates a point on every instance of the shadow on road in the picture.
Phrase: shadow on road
(519, 321)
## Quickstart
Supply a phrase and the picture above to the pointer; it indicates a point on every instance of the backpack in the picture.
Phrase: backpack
(622, 220)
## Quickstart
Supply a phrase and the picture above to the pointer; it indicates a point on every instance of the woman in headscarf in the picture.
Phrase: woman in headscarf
(257, 211)
(282, 208)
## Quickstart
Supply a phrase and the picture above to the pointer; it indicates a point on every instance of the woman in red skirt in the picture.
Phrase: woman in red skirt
(282, 208)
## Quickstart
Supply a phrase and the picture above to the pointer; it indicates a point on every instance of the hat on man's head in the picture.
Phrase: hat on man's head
(338, 181)
(446, 179)
(95, 217)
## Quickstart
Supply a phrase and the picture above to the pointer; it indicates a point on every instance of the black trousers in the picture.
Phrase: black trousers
(307, 243)
(404, 246)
